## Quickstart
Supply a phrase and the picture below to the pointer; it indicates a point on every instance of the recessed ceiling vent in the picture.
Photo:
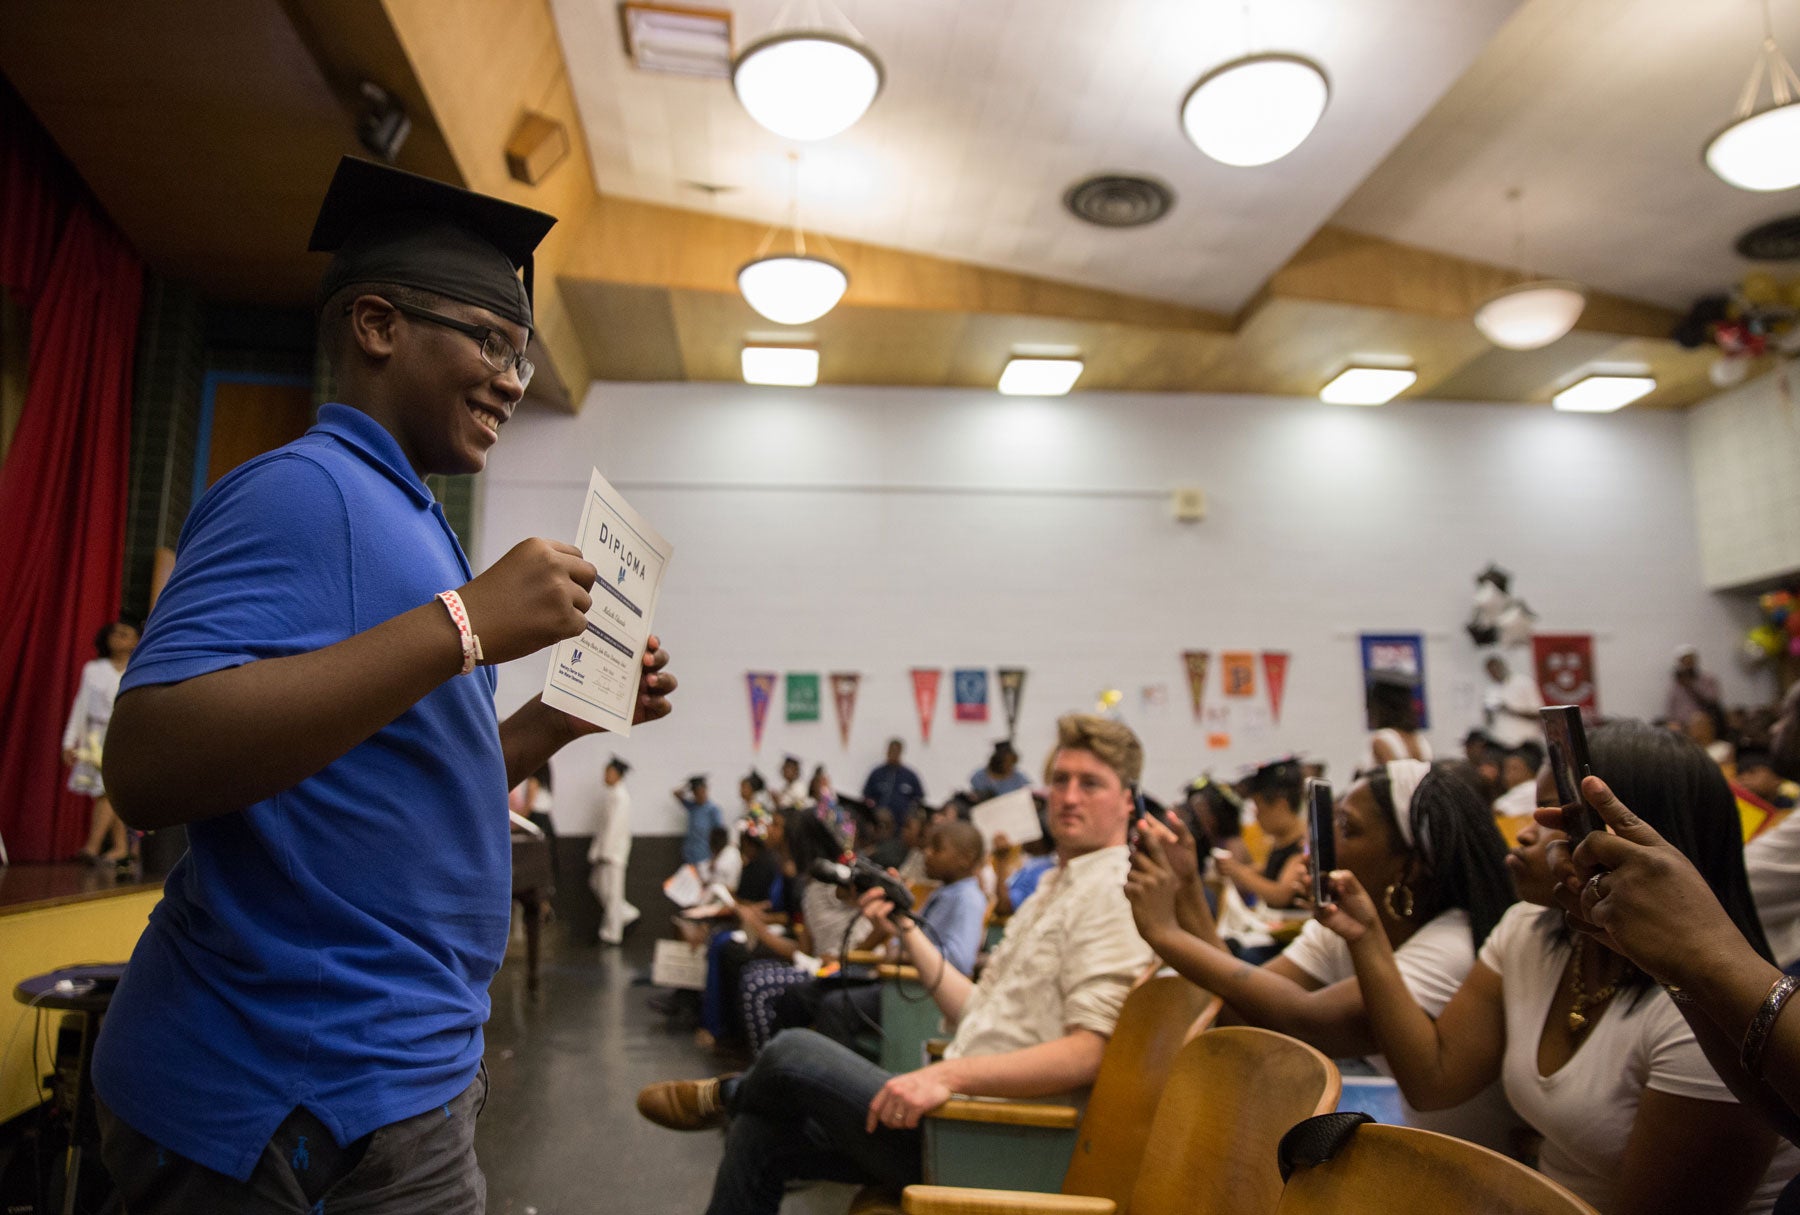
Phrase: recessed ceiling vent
(1112, 200)
(1776, 241)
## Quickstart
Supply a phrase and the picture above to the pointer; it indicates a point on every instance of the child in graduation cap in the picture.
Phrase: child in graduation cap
(313, 696)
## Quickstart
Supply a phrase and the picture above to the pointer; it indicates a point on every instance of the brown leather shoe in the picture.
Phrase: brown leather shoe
(684, 1105)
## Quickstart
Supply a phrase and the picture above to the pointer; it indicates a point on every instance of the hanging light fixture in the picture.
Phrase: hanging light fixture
(1760, 150)
(811, 77)
(791, 288)
(1255, 110)
(1533, 313)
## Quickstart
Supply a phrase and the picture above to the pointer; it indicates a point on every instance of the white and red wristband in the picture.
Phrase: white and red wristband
(459, 615)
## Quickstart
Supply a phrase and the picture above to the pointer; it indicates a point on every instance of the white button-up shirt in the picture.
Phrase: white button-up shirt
(1069, 957)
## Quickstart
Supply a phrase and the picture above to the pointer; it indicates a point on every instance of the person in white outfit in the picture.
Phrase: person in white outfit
(85, 735)
(610, 853)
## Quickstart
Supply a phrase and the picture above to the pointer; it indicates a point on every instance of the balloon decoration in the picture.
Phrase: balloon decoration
(1499, 618)
(1756, 317)
(1779, 631)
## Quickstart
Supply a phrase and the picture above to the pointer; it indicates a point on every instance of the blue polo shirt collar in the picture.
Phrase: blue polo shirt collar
(369, 439)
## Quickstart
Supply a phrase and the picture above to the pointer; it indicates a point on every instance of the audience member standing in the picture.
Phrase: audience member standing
(1692, 693)
(702, 817)
(793, 792)
(893, 786)
(85, 736)
(1001, 775)
(1510, 705)
(610, 853)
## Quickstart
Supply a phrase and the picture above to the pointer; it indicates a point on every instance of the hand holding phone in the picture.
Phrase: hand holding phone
(1321, 831)
(1565, 741)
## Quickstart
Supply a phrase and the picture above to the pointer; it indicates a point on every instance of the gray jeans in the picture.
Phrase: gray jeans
(423, 1163)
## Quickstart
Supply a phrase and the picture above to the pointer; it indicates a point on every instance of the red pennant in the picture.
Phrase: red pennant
(843, 691)
(925, 691)
(1275, 665)
(762, 691)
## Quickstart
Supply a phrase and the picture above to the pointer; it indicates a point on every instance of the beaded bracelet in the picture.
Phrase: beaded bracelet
(1756, 1038)
(459, 615)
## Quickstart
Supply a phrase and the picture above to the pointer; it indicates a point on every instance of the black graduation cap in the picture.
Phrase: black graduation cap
(621, 765)
(694, 782)
(791, 758)
(389, 226)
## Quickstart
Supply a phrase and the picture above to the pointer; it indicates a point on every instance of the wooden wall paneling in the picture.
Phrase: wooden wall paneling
(627, 330)
(250, 417)
(482, 66)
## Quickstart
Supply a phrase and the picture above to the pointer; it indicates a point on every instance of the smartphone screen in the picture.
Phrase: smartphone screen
(1321, 831)
(1566, 743)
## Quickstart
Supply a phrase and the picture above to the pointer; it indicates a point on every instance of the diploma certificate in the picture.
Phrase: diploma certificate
(594, 676)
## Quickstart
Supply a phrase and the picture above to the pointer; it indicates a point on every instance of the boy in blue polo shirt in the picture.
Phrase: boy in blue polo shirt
(312, 698)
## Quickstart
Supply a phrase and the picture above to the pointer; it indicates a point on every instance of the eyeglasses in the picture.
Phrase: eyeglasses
(496, 349)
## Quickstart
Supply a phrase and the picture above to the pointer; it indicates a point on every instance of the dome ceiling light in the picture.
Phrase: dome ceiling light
(811, 77)
(1534, 313)
(791, 288)
(1760, 150)
(1255, 110)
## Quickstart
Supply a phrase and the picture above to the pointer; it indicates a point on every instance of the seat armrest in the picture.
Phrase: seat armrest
(955, 1200)
(935, 1048)
(996, 1112)
(866, 957)
(894, 970)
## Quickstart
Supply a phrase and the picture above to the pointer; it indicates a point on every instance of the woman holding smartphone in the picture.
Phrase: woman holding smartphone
(1423, 839)
(1591, 1052)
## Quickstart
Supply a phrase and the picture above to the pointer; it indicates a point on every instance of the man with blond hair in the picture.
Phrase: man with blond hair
(1034, 1026)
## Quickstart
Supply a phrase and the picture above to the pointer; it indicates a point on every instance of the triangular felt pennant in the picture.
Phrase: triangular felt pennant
(1012, 691)
(925, 691)
(762, 691)
(1196, 662)
(843, 692)
(1275, 665)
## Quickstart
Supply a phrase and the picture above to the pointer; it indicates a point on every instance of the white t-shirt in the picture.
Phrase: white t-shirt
(1520, 692)
(1520, 799)
(1433, 963)
(1772, 860)
(1586, 1108)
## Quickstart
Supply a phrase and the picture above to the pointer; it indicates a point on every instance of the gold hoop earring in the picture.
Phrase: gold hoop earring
(1387, 896)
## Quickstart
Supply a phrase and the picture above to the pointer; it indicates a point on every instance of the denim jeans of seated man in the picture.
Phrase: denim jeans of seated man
(798, 1115)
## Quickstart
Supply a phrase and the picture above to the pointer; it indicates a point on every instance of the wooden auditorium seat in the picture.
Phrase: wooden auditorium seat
(1039, 1146)
(1376, 1164)
(1211, 1148)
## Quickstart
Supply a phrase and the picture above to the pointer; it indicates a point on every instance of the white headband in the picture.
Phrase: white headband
(1404, 777)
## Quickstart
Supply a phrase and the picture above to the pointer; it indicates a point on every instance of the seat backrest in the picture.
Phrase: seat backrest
(1230, 1097)
(1159, 1015)
(1438, 1175)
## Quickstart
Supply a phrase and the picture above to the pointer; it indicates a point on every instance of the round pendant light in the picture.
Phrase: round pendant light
(792, 288)
(1255, 110)
(1761, 152)
(1532, 314)
(806, 84)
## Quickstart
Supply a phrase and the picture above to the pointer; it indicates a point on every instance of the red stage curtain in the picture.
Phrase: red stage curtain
(63, 486)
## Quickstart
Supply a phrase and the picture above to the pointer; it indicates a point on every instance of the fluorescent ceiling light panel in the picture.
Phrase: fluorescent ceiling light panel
(781, 366)
(1368, 385)
(684, 41)
(1039, 377)
(1603, 393)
